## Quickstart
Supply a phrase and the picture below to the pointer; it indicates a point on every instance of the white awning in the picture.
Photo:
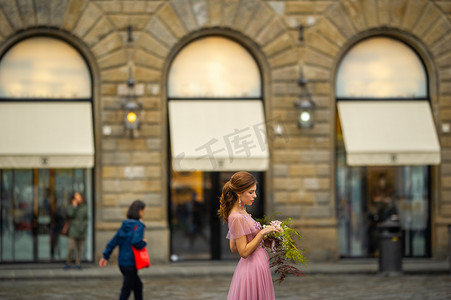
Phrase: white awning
(389, 133)
(218, 135)
(46, 135)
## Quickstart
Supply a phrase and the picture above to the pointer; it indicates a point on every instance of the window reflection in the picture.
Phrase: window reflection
(189, 216)
(44, 67)
(381, 67)
(31, 222)
(214, 67)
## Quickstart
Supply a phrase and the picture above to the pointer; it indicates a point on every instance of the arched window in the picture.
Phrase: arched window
(214, 67)
(381, 67)
(46, 148)
(219, 82)
(44, 68)
(386, 140)
(217, 126)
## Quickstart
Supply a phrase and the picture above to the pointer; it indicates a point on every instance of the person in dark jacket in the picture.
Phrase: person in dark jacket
(77, 215)
(130, 234)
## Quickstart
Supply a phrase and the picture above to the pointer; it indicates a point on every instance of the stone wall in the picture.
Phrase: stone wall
(301, 180)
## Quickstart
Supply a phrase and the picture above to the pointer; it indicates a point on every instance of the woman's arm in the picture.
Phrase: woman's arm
(233, 246)
(138, 240)
(245, 249)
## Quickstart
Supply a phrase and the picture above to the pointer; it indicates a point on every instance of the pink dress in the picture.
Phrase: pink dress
(252, 278)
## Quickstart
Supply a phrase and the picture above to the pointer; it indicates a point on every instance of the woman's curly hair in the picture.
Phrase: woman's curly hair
(238, 183)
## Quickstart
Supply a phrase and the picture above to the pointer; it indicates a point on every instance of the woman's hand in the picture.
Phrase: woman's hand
(245, 249)
(268, 229)
(103, 262)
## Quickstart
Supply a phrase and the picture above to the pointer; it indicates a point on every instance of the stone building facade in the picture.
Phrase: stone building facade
(117, 36)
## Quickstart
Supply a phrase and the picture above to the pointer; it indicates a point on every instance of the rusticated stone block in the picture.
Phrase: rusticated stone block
(133, 7)
(321, 44)
(302, 197)
(183, 10)
(131, 144)
(316, 183)
(245, 12)
(118, 74)
(116, 158)
(159, 30)
(281, 197)
(307, 7)
(215, 12)
(262, 16)
(446, 182)
(146, 158)
(100, 30)
(116, 185)
(430, 16)
(109, 144)
(281, 43)
(88, 18)
(280, 170)
(109, 172)
(200, 12)
(287, 184)
(153, 144)
(170, 18)
(108, 44)
(339, 17)
(321, 243)
(354, 11)
(273, 29)
(152, 46)
(112, 59)
(413, 11)
(318, 212)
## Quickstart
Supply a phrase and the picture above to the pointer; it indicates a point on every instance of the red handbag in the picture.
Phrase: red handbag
(142, 259)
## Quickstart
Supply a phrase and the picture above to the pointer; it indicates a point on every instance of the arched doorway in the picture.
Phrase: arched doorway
(217, 126)
(386, 143)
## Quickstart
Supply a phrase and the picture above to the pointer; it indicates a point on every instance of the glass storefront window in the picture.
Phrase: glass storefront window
(34, 196)
(44, 67)
(204, 74)
(214, 67)
(196, 230)
(190, 210)
(367, 196)
(381, 67)
(33, 204)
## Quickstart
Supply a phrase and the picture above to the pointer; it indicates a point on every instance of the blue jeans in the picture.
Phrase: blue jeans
(132, 282)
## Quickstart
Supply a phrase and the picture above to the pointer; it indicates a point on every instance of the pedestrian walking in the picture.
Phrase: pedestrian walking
(77, 218)
(131, 233)
(252, 277)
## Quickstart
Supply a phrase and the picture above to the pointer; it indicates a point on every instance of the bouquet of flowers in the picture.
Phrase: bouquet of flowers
(284, 252)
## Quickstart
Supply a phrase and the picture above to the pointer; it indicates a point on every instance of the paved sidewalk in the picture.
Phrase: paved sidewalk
(213, 268)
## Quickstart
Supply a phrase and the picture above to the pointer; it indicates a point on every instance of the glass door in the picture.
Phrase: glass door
(32, 210)
(196, 230)
(368, 196)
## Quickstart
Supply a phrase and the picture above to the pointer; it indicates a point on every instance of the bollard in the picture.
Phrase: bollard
(390, 248)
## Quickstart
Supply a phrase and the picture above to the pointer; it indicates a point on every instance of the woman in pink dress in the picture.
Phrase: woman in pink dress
(252, 278)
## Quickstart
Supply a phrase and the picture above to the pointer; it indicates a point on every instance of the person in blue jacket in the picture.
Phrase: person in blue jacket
(130, 234)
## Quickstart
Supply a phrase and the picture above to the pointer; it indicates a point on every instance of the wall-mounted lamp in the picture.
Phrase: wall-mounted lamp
(305, 105)
(301, 32)
(131, 108)
(130, 33)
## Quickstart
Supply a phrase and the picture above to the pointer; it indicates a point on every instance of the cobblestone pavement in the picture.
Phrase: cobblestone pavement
(422, 287)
